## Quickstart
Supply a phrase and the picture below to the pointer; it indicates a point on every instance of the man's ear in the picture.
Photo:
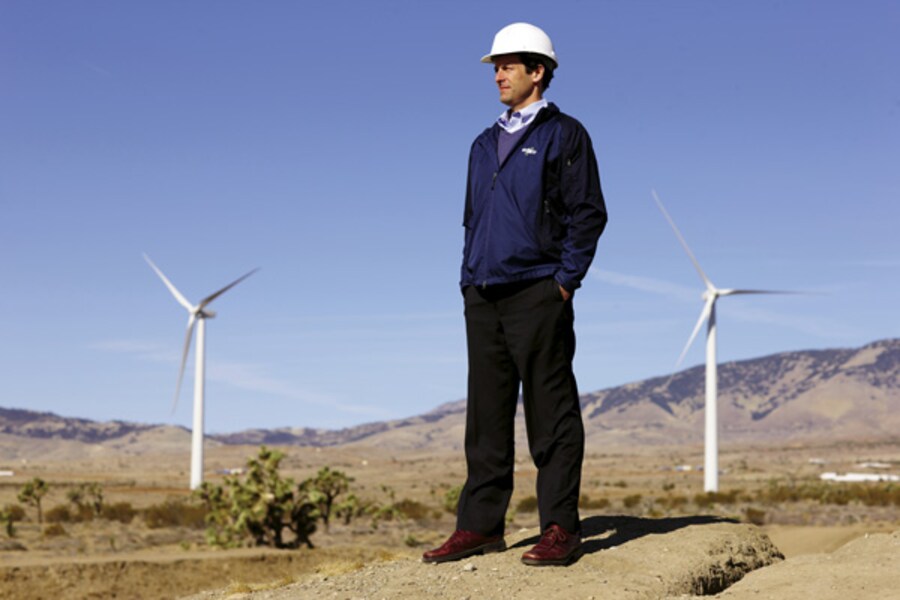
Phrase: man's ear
(538, 73)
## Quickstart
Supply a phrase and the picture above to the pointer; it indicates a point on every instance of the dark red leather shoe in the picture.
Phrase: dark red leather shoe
(557, 547)
(462, 544)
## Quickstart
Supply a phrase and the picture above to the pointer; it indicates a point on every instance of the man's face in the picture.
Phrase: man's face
(518, 88)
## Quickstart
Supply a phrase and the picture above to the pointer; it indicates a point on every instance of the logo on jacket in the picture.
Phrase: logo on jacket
(529, 151)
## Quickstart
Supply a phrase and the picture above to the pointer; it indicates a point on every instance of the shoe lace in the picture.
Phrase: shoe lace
(551, 536)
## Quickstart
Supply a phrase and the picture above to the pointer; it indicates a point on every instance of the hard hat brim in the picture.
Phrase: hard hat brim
(489, 58)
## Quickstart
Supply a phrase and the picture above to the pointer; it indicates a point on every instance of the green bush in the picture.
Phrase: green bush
(123, 512)
(869, 494)
(632, 500)
(323, 489)
(587, 502)
(672, 502)
(175, 512)
(15, 511)
(528, 504)
(451, 498)
(59, 514)
(411, 509)
(33, 493)
(754, 515)
(54, 530)
(708, 499)
(383, 511)
(88, 500)
(259, 509)
(9, 516)
(350, 508)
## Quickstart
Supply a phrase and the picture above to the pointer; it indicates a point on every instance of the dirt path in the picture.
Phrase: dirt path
(156, 574)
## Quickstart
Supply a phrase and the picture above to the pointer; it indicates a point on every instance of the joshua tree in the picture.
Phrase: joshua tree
(88, 499)
(32, 493)
(325, 487)
(259, 508)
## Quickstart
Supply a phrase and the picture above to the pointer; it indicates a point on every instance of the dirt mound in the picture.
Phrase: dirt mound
(868, 567)
(625, 557)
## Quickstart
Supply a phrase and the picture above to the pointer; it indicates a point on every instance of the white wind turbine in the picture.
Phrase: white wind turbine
(708, 314)
(197, 315)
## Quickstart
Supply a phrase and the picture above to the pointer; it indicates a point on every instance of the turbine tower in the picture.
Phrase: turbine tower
(708, 314)
(196, 315)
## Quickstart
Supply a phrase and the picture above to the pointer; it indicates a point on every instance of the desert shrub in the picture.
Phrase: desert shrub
(15, 511)
(620, 484)
(668, 487)
(33, 493)
(528, 504)
(672, 502)
(54, 530)
(9, 516)
(869, 494)
(589, 503)
(350, 508)
(323, 489)
(384, 511)
(175, 512)
(451, 498)
(87, 498)
(258, 509)
(708, 499)
(123, 512)
(59, 514)
(411, 509)
(754, 515)
(632, 500)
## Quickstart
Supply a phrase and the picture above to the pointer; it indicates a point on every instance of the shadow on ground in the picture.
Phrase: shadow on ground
(602, 533)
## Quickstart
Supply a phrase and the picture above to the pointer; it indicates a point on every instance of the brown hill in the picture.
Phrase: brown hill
(791, 396)
(813, 394)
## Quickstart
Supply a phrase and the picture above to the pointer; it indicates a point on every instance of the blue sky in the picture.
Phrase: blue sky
(326, 143)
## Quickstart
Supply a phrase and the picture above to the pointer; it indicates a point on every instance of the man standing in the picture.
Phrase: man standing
(534, 212)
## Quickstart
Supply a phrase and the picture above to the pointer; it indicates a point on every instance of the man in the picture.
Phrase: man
(533, 214)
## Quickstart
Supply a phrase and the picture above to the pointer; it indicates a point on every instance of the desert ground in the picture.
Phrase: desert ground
(649, 531)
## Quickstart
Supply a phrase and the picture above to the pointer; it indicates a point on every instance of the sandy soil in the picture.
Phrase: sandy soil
(625, 557)
(650, 550)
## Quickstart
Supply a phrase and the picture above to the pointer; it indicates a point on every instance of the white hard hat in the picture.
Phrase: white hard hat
(521, 37)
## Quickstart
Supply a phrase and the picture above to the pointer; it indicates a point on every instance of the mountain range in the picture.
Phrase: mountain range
(791, 396)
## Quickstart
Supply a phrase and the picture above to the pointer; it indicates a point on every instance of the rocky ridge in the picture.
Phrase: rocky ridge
(837, 393)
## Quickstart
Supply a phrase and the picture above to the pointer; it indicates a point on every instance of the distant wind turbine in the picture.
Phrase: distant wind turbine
(197, 315)
(708, 314)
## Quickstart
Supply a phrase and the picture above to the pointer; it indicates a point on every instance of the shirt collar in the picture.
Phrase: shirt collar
(514, 121)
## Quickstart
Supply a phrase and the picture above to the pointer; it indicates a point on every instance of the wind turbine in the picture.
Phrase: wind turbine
(708, 314)
(196, 315)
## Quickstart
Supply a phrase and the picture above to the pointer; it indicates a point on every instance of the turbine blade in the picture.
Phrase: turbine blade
(736, 292)
(709, 284)
(187, 347)
(704, 315)
(181, 299)
(215, 295)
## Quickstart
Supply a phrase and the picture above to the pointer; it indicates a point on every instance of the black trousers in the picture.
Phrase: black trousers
(521, 333)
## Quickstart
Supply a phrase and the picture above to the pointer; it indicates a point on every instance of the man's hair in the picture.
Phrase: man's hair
(531, 62)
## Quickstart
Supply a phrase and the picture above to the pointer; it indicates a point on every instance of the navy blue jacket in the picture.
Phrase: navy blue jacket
(540, 213)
